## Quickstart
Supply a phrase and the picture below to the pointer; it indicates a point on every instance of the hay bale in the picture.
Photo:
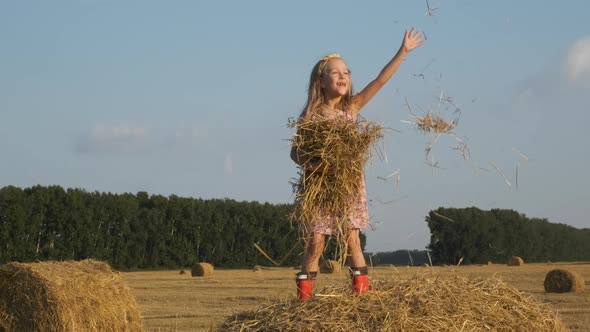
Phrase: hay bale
(563, 281)
(331, 266)
(202, 270)
(420, 303)
(65, 296)
(490, 263)
(257, 268)
(515, 261)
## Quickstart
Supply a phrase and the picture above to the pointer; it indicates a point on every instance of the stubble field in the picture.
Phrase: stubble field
(170, 301)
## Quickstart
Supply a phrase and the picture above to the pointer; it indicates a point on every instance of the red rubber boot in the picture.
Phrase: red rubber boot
(360, 283)
(305, 283)
(360, 279)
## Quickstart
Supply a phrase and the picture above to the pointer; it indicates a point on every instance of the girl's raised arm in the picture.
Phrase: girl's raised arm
(412, 39)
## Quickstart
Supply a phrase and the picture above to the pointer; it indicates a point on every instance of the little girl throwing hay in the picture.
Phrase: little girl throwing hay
(330, 97)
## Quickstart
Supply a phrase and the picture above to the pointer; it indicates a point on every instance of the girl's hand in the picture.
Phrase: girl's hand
(412, 39)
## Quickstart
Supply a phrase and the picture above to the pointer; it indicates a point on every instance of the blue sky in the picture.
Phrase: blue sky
(193, 97)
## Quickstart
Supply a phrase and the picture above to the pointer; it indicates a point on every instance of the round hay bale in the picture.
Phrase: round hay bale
(65, 296)
(515, 261)
(202, 270)
(563, 281)
(330, 266)
(256, 268)
(420, 303)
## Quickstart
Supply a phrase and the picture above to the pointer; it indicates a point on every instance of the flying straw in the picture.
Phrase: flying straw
(501, 173)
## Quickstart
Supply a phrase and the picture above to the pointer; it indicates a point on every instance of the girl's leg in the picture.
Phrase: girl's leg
(357, 263)
(313, 251)
(355, 252)
(305, 279)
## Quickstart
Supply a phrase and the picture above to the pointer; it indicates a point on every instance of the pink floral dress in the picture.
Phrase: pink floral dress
(358, 215)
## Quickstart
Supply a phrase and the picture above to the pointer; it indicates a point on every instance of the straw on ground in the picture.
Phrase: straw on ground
(423, 302)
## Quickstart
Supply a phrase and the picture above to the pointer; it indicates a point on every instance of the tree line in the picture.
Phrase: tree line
(399, 257)
(476, 236)
(137, 231)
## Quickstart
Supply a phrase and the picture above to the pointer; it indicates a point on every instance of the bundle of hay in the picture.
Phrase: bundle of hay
(431, 122)
(342, 147)
(257, 268)
(65, 296)
(515, 261)
(331, 266)
(202, 270)
(563, 281)
(420, 303)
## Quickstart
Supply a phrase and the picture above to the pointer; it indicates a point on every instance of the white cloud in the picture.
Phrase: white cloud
(115, 139)
(578, 59)
(137, 139)
(556, 85)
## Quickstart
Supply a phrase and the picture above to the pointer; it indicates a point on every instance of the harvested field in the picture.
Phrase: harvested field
(173, 302)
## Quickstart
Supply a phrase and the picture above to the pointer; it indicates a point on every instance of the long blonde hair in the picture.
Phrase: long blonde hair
(315, 95)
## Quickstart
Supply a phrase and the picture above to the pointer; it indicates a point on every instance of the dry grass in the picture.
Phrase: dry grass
(342, 148)
(434, 123)
(173, 302)
(422, 302)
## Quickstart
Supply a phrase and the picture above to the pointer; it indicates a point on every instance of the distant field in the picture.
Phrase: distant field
(170, 301)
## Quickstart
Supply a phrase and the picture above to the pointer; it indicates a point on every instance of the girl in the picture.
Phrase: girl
(330, 96)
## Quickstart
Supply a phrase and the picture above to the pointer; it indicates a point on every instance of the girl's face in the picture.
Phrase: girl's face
(335, 78)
